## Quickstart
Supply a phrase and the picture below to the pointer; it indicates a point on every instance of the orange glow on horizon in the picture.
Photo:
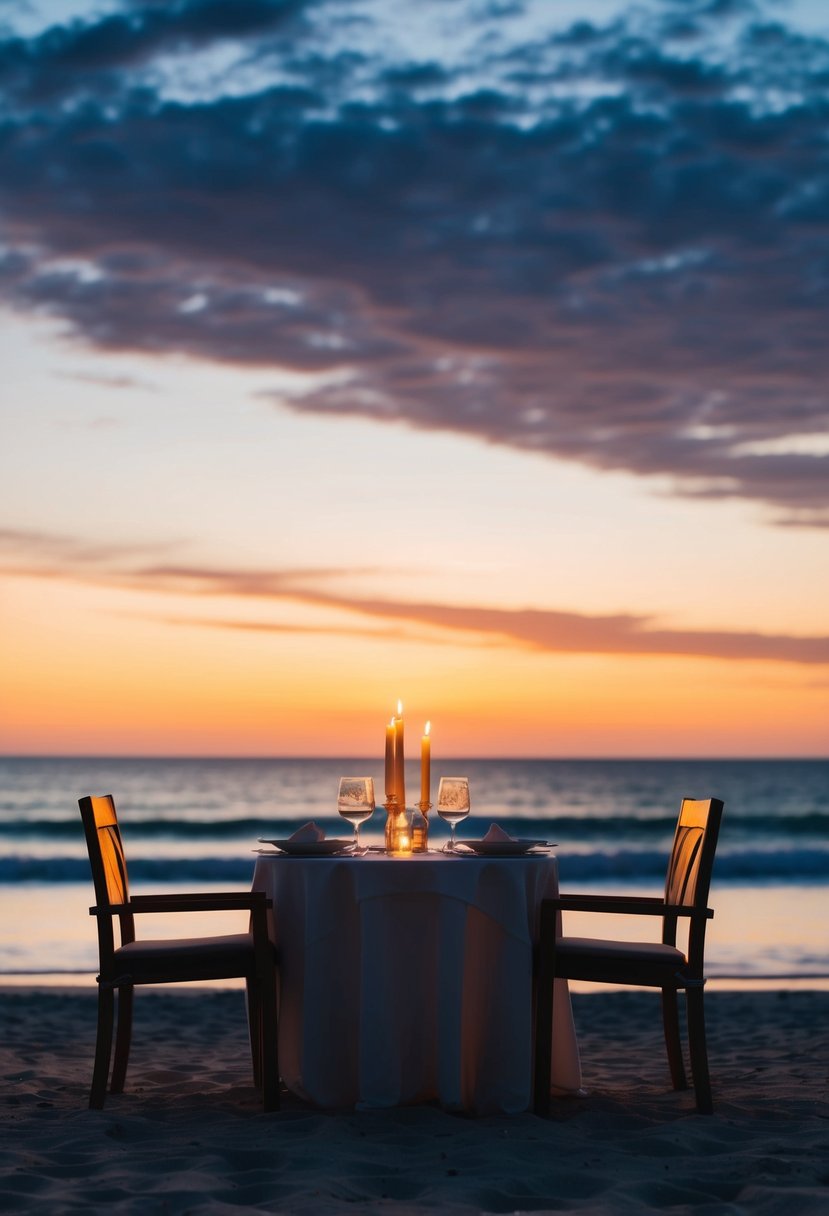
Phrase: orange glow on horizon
(88, 677)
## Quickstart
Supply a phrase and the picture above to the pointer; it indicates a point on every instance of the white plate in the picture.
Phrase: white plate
(502, 848)
(308, 848)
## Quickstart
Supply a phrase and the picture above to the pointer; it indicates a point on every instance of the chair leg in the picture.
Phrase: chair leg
(698, 1051)
(670, 1021)
(268, 1038)
(103, 1047)
(543, 1034)
(123, 1037)
(255, 1029)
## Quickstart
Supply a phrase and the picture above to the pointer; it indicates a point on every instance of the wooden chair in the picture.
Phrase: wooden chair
(250, 955)
(650, 964)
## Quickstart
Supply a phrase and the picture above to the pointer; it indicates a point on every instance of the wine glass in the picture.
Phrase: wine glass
(355, 802)
(453, 804)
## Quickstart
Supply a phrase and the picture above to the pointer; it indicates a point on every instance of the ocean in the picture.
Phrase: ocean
(193, 824)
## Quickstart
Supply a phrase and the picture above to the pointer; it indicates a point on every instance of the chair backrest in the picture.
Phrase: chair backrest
(689, 869)
(109, 866)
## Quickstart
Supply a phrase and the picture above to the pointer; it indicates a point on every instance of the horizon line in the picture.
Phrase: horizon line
(414, 758)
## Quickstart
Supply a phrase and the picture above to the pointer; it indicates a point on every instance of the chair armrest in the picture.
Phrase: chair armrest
(207, 901)
(628, 905)
(646, 905)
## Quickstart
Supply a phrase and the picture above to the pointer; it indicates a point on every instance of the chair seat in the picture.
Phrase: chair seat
(652, 964)
(631, 952)
(213, 957)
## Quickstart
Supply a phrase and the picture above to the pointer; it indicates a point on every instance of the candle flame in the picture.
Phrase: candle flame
(400, 709)
(427, 728)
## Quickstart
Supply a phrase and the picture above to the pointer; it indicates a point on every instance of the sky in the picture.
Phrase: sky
(471, 353)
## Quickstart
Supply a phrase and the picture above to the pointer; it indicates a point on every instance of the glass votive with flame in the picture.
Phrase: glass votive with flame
(398, 831)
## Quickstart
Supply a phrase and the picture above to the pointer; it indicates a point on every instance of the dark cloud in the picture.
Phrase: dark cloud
(611, 248)
(576, 633)
(49, 65)
(545, 630)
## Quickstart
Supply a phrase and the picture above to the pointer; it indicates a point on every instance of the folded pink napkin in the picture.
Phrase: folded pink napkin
(308, 832)
(496, 834)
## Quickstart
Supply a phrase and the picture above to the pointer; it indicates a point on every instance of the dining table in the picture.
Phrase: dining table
(408, 980)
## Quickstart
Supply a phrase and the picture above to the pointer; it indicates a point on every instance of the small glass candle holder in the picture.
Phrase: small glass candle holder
(398, 829)
(420, 827)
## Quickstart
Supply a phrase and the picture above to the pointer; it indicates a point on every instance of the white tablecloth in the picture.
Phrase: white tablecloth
(410, 979)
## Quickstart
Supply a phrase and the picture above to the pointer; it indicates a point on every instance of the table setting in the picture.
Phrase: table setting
(406, 828)
(406, 968)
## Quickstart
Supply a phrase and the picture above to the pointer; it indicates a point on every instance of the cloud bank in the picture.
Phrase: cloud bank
(43, 555)
(604, 242)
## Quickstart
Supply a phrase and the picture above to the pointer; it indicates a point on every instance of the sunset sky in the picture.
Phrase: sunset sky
(469, 352)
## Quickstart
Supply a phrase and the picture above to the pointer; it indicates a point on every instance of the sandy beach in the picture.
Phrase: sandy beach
(188, 1135)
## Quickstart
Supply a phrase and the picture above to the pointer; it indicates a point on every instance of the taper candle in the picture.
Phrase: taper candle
(399, 757)
(425, 763)
(391, 781)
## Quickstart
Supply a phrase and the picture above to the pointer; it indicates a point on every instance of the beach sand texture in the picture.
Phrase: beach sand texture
(189, 1135)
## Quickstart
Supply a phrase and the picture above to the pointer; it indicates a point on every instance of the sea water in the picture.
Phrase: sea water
(193, 824)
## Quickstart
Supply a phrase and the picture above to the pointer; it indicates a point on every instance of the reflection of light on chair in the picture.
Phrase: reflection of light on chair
(648, 964)
(249, 955)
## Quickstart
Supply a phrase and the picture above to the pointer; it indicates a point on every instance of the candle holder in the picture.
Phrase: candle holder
(420, 827)
(398, 829)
